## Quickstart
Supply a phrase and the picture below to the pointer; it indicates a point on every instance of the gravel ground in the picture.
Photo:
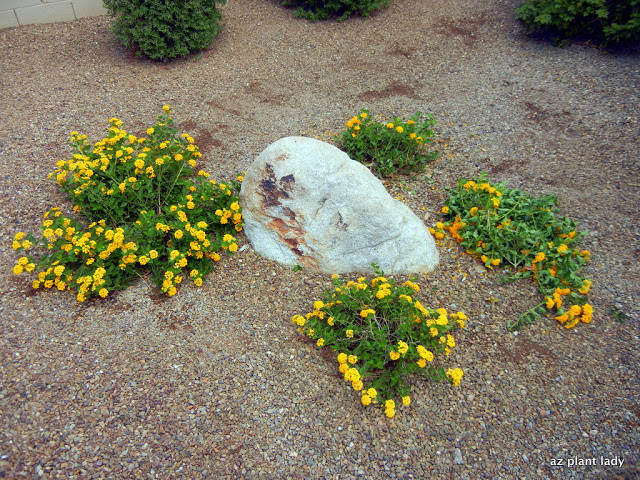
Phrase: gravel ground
(215, 382)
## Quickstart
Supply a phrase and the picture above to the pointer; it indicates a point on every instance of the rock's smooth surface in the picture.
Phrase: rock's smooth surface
(306, 203)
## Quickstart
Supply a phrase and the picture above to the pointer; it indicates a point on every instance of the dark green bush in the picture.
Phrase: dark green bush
(164, 29)
(323, 9)
(604, 21)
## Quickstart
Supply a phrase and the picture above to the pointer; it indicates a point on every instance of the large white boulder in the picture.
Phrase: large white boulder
(306, 203)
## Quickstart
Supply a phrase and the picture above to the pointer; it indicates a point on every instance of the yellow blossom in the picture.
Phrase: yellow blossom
(586, 286)
(455, 375)
(366, 312)
(575, 310)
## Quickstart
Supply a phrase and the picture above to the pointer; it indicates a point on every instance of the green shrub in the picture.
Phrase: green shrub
(382, 335)
(165, 29)
(389, 146)
(323, 9)
(605, 21)
(148, 210)
(504, 226)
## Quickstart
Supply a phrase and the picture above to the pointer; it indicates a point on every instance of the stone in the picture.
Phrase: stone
(457, 456)
(306, 203)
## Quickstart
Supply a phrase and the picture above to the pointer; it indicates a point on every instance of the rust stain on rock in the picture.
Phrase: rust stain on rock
(292, 235)
(286, 226)
(271, 192)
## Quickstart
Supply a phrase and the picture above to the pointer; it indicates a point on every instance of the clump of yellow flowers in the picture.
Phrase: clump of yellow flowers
(387, 147)
(382, 334)
(146, 209)
(503, 226)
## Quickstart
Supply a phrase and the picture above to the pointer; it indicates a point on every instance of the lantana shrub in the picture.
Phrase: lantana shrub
(145, 210)
(389, 146)
(163, 29)
(504, 226)
(342, 9)
(382, 335)
(605, 21)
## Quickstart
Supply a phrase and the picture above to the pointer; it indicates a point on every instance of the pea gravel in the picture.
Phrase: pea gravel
(215, 382)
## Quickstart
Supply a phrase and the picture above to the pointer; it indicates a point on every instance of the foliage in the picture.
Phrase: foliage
(163, 30)
(147, 212)
(382, 335)
(504, 226)
(606, 21)
(322, 9)
(618, 315)
(391, 146)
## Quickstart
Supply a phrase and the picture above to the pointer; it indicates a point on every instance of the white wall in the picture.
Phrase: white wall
(24, 12)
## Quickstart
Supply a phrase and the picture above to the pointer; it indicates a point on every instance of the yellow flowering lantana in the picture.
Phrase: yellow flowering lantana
(455, 375)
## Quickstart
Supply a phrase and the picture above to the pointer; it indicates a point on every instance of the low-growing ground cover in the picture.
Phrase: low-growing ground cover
(148, 209)
(215, 380)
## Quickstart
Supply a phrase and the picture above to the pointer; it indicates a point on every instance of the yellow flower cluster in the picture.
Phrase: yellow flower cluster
(91, 283)
(81, 171)
(425, 356)
(355, 121)
(23, 265)
(455, 375)
(493, 192)
(551, 262)
(355, 322)
(354, 124)
(390, 408)
(351, 374)
(120, 167)
(369, 396)
(366, 312)
(575, 314)
(411, 285)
